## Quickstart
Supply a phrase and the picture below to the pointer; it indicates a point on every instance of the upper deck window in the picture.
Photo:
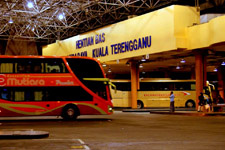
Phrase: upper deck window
(32, 65)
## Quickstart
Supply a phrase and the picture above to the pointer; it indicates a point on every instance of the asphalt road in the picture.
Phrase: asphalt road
(120, 131)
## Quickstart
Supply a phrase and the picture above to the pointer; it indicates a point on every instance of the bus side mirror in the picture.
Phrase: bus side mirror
(104, 80)
(113, 85)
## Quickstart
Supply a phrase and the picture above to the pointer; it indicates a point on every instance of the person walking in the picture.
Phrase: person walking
(172, 101)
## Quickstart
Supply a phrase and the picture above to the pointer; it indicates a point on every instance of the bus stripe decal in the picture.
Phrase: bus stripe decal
(9, 107)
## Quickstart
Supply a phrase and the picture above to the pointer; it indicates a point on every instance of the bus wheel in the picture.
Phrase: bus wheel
(140, 104)
(190, 104)
(70, 112)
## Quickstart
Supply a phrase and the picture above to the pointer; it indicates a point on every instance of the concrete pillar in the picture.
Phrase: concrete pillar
(200, 73)
(204, 69)
(134, 83)
(221, 84)
(193, 73)
(137, 78)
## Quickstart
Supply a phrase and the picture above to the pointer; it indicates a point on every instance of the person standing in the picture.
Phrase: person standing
(172, 101)
(200, 102)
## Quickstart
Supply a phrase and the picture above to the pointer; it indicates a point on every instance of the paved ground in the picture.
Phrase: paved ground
(120, 131)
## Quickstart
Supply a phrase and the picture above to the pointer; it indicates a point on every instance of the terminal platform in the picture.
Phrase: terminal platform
(178, 111)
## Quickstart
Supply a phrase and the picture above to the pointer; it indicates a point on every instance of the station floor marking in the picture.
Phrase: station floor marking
(85, 146)
(80, 146)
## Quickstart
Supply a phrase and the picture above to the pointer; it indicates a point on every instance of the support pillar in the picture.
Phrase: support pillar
(193, 73)
(134, 83)
(200, 73)
(221, 84)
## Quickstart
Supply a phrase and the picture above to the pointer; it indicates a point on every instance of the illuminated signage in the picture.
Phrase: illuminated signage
(113, 49)
(98, 38)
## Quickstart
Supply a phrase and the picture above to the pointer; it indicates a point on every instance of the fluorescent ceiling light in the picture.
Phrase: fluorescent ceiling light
(30, 5)
(10, 21)
(143, 58)
(182, 61)
(109, 70)
(178, 67)
(103, 65)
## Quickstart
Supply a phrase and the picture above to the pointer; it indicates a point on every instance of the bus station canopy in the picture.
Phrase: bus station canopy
(163, 37)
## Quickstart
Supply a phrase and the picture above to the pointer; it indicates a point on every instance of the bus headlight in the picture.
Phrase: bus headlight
(110, 109)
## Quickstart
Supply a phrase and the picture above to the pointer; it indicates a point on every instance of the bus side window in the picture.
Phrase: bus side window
(193, 86)
(38, 95)
(5, 94)
(29, 95)
(55, 66)
(19, 96)
(23, 68)
(20, 68)
(6, 68)
(38, 68)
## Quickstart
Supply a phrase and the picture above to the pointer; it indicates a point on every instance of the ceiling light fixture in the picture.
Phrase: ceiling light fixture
(215, 70)
(141, 66)
(61, 16)
(10, 20)
(143, 59)
(178, 67)
(182, 61)
(30, 5)
(223, 63)
(104, 65)
(109, 71)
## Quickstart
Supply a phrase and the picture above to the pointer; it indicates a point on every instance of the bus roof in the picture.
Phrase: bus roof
(153, 80)
(34, 56)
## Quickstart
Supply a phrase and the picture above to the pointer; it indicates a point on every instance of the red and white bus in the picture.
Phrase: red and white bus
(53, 86)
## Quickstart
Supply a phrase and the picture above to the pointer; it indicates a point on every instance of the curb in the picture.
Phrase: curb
(136, 110)
(155, 110)
(189, 114)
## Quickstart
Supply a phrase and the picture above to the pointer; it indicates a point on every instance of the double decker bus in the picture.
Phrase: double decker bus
(155, 93)
(53, 86)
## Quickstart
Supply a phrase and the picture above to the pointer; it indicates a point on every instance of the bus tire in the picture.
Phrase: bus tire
(70, 112)
(140, 104)
(190, 104)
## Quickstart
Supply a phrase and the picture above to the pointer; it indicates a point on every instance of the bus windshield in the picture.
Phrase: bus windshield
(79, 68)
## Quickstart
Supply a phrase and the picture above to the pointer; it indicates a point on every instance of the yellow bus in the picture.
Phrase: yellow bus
(155, 93)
